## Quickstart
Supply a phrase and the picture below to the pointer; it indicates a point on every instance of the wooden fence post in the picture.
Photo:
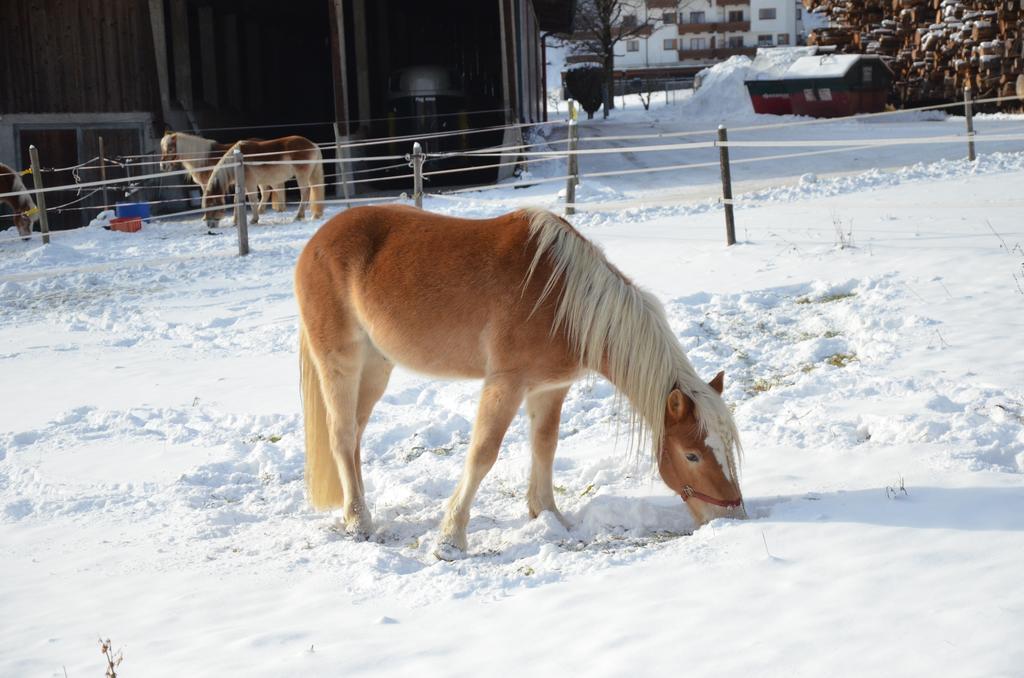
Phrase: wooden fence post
(103, 173)
(341, 157)
(723, 157)
(573, 178)
(37, 182)
(417, 173)
(969, 116)
(240, 221)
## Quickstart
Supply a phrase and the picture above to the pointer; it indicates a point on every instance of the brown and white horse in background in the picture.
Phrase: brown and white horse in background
(25, 212)
(273, 161)
(522, 301)
(198, 155)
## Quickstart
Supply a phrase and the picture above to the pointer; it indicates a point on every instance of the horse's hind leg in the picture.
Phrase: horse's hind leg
(342, 370)
(499, 402)
(544, 408)
(372, 382)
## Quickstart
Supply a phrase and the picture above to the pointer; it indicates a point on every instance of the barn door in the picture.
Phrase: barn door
(58, 148)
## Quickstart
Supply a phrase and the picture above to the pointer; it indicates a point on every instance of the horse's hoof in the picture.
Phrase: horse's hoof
(448, 551)
(358, 527)
(554, 512)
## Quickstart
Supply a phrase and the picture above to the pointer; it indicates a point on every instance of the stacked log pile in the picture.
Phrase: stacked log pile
(935, 48)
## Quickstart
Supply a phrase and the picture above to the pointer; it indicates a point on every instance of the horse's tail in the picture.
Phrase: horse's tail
(220, 178)
(277, 198)
(322, 480)
(316, 187)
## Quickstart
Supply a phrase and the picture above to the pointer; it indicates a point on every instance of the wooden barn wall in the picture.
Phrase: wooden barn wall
(69, 56)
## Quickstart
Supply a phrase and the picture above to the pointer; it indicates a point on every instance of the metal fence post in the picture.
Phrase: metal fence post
(969, 116)
(723, 157)
(240, 220)
(417, 174)
(573, 179)
(37, 182)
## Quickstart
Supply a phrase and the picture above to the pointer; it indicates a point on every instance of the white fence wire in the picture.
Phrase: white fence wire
(520, 154)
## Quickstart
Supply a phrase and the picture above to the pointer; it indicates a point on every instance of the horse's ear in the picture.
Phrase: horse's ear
(676, 405)
(718, 383)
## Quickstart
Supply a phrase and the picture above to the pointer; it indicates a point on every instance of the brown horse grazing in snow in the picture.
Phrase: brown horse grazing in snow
(198, 155)
(522, 301)
(273, 161)
(20, 201)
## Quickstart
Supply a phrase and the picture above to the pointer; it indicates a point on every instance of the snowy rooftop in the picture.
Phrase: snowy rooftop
(825, 66)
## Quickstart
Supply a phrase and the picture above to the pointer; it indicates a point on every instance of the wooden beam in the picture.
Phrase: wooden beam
(182, 54)
(156, 22)
(362, 61)
(339, 66)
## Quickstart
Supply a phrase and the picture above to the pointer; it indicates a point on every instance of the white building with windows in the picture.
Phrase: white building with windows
(688, 35)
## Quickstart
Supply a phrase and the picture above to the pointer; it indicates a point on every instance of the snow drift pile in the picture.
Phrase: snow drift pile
(722, 93)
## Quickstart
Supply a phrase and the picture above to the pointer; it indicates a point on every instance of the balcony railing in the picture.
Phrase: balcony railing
(716, 53)
(717, 27)
(724, 3)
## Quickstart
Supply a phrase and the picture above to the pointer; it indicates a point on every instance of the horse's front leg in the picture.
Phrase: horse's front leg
(544, 409)
(265, 192)
(303, 200)
(499, 402)
(252, 195)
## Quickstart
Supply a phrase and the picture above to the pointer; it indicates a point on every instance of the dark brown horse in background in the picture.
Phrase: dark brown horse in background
(20, 202)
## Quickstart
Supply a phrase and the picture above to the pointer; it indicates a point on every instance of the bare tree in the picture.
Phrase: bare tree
(602, 24)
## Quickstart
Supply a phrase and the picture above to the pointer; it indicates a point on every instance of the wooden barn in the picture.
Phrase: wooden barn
(127, 70)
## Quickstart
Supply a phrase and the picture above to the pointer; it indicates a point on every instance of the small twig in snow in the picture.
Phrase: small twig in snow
(996, 234)
(892, 492)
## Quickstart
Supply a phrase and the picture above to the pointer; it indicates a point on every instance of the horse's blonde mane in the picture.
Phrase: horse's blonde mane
(193, 149)
(219, 177)
(620, 328)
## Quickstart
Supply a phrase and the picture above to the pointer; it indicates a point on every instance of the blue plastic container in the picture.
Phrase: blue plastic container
(132, 209)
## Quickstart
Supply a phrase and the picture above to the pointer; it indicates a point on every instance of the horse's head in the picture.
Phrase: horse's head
(168, 151)
(214, 196)
(23, 221)
(694, 463)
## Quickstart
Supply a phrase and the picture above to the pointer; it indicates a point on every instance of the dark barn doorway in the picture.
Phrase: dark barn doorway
(259, 67)
(435, 68)
(252, 68)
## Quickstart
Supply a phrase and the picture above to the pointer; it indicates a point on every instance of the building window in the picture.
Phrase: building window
(629, 21)
(782, 39)
(735, 41)
(668, 18)
(698, 43)
(798, 13)
(669, 44)
(866, 75)
(632, 45)
(736, 15)
(764, 41)
(696, 17)
(766, 13)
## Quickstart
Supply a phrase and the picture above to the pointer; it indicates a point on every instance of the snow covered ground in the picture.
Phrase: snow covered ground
(869, 324)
